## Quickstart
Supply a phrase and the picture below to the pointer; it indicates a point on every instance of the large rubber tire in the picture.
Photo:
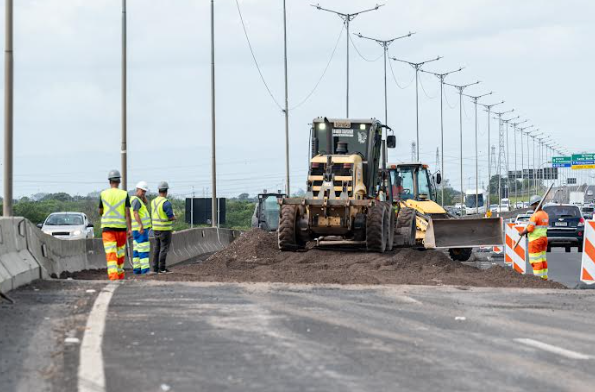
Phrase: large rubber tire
(287, 235)
(390, 218)
(376, 229)
(406, 226)
(460, 254)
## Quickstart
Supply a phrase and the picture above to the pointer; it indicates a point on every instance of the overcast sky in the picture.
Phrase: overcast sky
(537, 55)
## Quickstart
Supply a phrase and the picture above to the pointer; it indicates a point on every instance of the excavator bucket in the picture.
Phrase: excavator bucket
(464, 233)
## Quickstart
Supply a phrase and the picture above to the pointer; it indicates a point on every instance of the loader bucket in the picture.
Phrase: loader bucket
(464, 233)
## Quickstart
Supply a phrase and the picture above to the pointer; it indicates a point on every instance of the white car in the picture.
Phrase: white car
(68, 226)
(522, 218)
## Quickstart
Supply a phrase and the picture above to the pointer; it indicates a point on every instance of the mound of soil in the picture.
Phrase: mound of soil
(255, 257)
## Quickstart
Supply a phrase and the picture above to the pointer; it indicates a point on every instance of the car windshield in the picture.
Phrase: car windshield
(403, 182)
(588, 210)
(470, 201)
(64, 220)
(563, 211)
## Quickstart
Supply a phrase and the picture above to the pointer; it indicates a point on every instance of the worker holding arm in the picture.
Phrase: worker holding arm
(141, 224)
(162, 216)
(537, 232)
(114, 209)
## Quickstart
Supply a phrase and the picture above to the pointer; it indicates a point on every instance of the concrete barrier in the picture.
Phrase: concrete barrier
(17, 265)
(27, 254)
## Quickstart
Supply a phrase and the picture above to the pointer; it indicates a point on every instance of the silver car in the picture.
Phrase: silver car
(68, 226)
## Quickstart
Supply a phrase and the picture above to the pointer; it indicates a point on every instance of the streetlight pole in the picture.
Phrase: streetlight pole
(442, 77)
(461, 88)
(500, 155)
(476, 98)
(417, 67)
(123, 150)
(8, 109)
(347, 18)
(508, 156)
(286, 111)
(514, 128)
(523, 161)
(214, 215)
(488, 108)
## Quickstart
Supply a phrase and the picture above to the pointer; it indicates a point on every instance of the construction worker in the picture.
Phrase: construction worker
(537, 231)
(162, 216)
(114, 205)
(141, 224)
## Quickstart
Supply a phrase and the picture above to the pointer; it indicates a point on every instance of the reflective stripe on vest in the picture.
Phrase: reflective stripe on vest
(158, 216)
(143, 214)
(114, 208)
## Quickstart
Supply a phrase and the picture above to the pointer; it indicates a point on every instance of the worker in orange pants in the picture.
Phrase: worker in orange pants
(114, 209)
(537, 231)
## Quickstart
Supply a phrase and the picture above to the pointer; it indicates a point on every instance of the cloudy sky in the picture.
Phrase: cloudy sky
(537, 55)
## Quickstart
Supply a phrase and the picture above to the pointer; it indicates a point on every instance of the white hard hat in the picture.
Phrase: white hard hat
(143, 185)
(535, 199)
(163, 186)
(114, 175)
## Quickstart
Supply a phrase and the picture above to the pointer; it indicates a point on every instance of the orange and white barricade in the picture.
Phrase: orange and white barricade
(588, 262)
(517, 258)
(497, 250)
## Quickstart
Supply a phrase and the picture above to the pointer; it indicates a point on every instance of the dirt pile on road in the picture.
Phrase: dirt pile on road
(255, 257)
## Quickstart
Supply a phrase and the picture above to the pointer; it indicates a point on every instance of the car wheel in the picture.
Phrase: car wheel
(567, 249)
(549, 248)
(580, 248)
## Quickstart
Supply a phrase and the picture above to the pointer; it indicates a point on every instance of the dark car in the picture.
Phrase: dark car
(567, 227)
(587, 212)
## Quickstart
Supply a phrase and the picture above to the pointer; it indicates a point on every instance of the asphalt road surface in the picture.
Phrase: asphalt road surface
(564, 267)
(158, 336)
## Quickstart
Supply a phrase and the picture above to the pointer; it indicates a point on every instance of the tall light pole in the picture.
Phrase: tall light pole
(286, 111)
(476, 98)
(123, 149)
(488, 109)
(385, 44)
(347, 18)
(534, 136)
(500, 154)
(507, 122)
(8, 109)
(442, 78)
(461, 89)
(214, 212)
(523, 160)
(417, 67)
(514, 128)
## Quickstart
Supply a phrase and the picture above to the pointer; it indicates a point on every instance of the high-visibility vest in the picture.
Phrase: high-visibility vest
(158, 216)
(143, 214)
(114, 208)
(538, 225)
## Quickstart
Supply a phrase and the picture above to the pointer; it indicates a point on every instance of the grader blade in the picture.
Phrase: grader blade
(464, 233)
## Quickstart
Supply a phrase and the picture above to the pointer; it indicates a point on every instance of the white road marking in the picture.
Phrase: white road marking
(553, 349)
(91, 377)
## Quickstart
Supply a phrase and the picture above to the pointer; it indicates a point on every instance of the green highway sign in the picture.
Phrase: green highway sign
(583, 161)
(562, 162)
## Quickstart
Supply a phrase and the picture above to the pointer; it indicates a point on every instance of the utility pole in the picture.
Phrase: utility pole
(442, 78)
(8, 110)
(461, 88)
(413, 151)
(123, 150)
(523, 161)
(214, 216)
(417, 67)
(514, 127)
(488, 108)
(476, 98)
(385, 44)
(508, 184)
(501, 156)
(347, 18)
(287, 179)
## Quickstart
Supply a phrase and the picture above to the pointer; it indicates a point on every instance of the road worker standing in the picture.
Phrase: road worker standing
(141, 224)
(114, 205)
(162, 216)
(537, 231)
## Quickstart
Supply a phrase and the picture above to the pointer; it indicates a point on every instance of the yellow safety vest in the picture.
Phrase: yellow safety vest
(143, 214)
(158, 216)
(114, 208)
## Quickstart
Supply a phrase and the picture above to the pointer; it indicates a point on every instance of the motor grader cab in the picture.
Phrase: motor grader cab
(266, 211)
(348, 199)
(415, 187)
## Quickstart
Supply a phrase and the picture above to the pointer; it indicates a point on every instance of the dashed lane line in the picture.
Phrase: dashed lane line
(91, 376)
(553, 349)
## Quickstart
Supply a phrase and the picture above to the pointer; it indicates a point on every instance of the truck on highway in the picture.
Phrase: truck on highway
(475, 201)
(576, 198)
